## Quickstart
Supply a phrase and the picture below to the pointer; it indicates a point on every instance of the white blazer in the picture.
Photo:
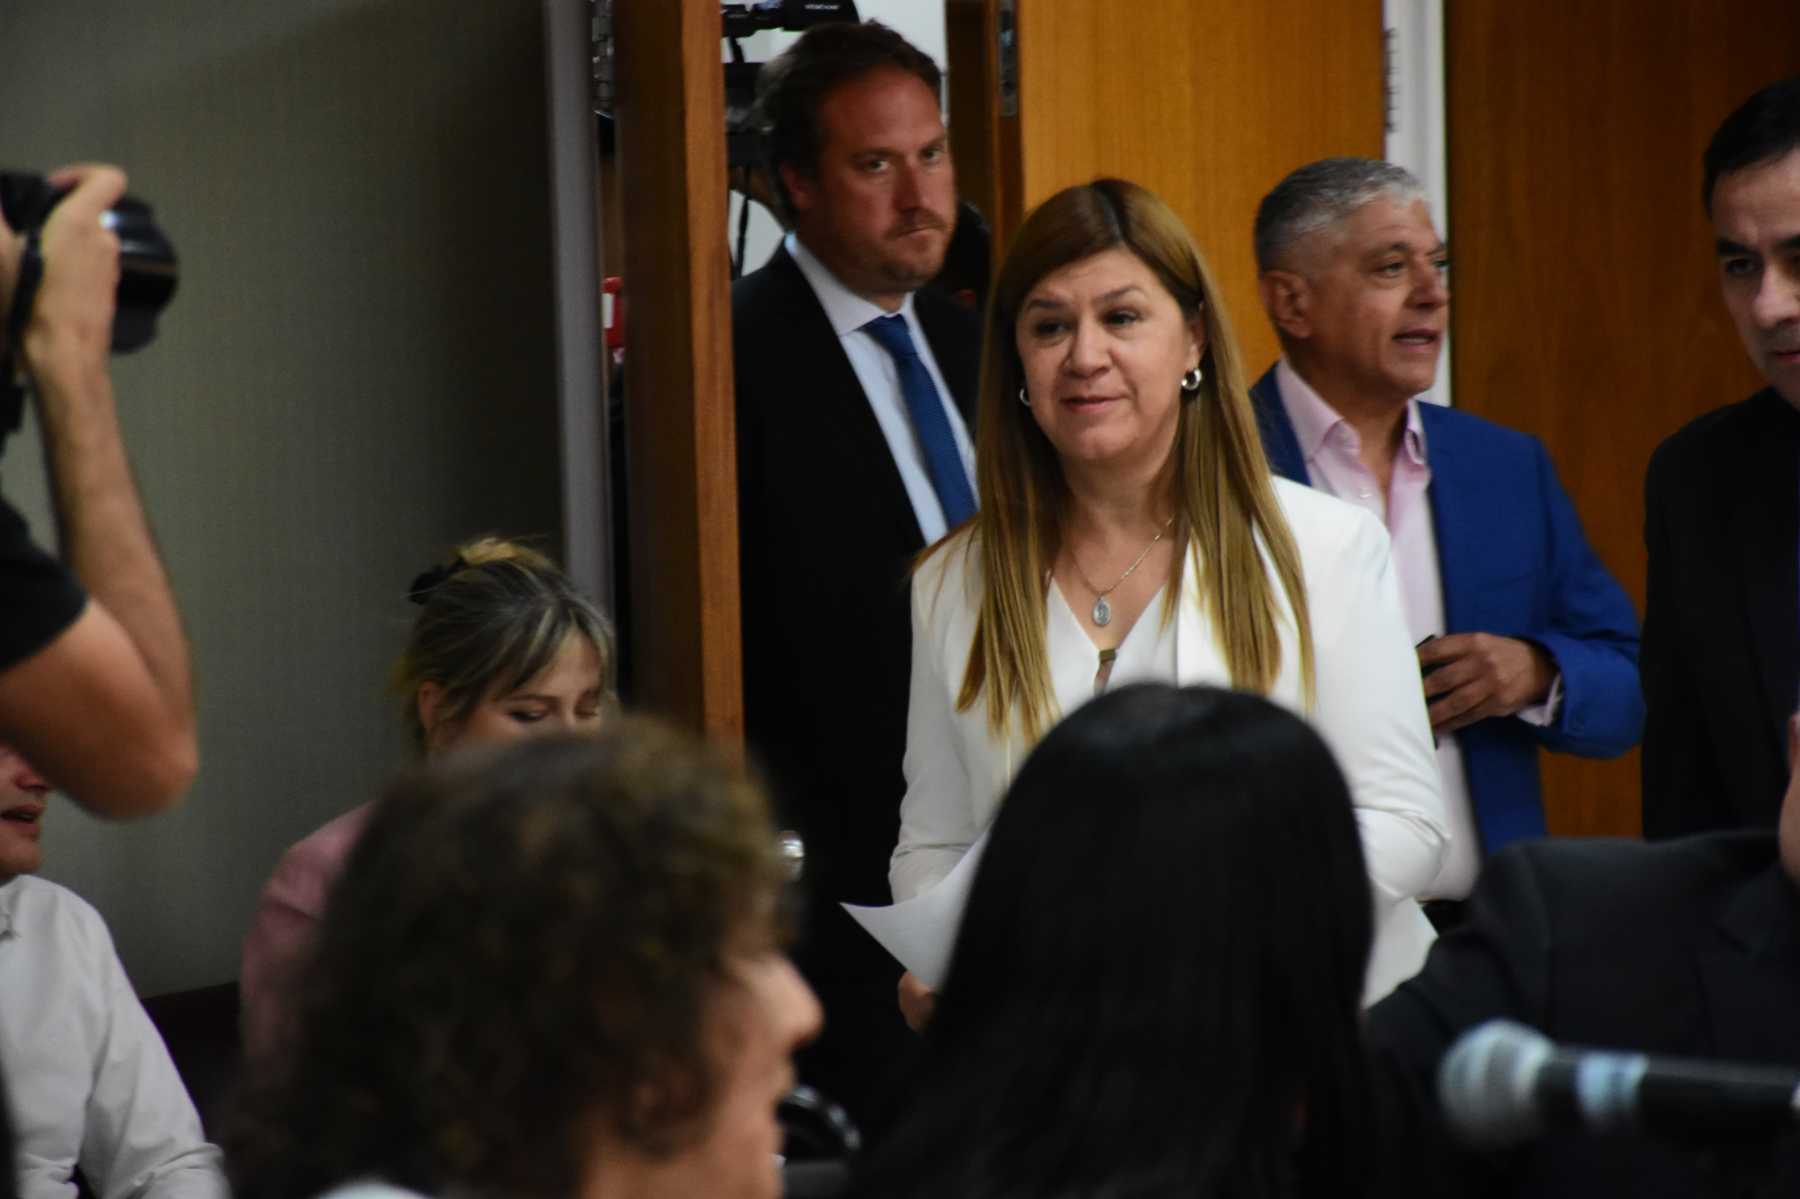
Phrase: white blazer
(1370, 709)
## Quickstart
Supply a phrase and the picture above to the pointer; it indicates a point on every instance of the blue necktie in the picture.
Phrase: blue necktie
(942, 462)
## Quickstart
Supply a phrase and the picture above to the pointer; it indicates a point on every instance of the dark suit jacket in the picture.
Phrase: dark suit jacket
(1688, 948)
(1721, 618)
(828, 537)
(1512, 560)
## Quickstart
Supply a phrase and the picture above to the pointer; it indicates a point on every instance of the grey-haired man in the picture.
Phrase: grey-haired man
(1525, 639)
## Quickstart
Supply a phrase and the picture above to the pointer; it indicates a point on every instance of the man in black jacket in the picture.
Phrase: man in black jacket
(1721, 646)
(1686, 948)
(853, 415)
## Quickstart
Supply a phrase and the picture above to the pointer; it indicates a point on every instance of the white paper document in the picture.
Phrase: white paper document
(920, 932)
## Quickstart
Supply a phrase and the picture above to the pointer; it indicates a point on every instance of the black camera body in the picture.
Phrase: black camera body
(148, 270)
(742, 18)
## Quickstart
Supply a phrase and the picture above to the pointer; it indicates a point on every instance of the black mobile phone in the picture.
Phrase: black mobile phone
(1425, 671)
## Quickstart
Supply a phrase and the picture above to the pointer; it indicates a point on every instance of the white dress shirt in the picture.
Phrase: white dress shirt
(88, 1079)
(1333, 454)
(880, 379)
(1146, 655)
(1369, 709)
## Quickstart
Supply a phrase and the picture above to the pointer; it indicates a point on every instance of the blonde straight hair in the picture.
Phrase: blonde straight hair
(489, 621)
(1220, 481)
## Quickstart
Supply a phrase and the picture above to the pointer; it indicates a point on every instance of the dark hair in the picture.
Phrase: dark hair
(1763, 128)
(524, 946)
(489, 621)
(792, 87)
(1156, 988)
(968, 260)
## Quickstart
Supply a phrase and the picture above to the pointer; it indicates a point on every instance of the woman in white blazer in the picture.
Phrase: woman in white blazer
(1130, 529)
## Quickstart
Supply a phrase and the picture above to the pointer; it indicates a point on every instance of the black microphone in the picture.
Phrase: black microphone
(1502, 1084)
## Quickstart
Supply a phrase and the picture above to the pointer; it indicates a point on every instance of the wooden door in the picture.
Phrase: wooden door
(1586, 309)
(680, 418)
(1206, 102)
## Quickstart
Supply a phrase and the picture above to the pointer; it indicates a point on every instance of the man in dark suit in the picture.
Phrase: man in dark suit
(1688, 948)
(1722, 512)
(1524, 637)
(853, 395)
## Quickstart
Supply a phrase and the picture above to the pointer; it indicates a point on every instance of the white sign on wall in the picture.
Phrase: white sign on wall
(1414, 32)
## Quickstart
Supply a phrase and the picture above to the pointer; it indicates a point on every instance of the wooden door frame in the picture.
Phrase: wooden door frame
(680, 415)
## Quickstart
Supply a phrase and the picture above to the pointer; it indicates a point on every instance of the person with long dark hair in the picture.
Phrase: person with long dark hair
(1155, 990)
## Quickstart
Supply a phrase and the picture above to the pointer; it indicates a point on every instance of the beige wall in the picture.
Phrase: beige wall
(356, 371)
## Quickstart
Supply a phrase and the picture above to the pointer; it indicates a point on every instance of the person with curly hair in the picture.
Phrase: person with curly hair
(548, 969)
(504, 646)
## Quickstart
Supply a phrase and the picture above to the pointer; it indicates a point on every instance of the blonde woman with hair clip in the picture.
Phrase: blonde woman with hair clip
(504, 647)
(1129, 530)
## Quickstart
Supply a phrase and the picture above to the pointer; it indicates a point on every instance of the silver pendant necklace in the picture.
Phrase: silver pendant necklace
(1102, 611)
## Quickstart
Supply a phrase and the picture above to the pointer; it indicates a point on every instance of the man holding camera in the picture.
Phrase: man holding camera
(94, 677)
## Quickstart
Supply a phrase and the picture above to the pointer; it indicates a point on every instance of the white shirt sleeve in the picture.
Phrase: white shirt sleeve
(937, 817)
(1371, 711)
(139, 1134)
(1543, 715)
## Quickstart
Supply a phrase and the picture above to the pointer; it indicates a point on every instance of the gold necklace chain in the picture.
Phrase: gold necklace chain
(1102, 611)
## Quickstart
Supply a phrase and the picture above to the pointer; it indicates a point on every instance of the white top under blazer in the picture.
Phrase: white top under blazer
(1369, 708)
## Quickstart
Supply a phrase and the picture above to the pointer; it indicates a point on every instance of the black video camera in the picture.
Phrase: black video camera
(740, 19)
(147, 266)
(745, 17)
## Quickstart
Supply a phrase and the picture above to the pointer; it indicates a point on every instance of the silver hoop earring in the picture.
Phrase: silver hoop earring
(1023, 398)
(1190, 382)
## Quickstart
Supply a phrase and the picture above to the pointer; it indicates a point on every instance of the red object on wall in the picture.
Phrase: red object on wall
(612, 313)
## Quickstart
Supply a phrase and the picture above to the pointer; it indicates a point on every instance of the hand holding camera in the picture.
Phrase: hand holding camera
(72, 284)
(102, 702)
(36, 213)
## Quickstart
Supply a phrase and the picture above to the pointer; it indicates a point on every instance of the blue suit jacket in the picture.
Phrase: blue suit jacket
(1512, 560)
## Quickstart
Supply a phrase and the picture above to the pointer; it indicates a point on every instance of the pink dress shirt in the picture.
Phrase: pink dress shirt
(287, 919)
(1333, 452)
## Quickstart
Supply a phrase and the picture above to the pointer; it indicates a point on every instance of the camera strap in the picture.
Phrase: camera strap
(12, 366)
(12, 397)
(31, 273)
